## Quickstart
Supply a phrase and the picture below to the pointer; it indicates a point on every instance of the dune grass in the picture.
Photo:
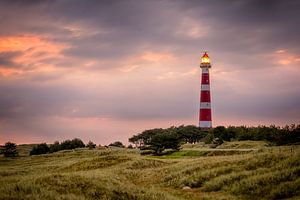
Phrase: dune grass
(266, 173)
(247, 144)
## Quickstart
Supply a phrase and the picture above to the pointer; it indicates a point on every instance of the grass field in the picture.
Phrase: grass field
(236, 171)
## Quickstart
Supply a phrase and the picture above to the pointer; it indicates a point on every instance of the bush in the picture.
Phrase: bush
(10, 150)
(72, 144)
(55, 147)
(222, 133)
(40, 149)
(117, 144)
(67, 144)
(1, 149)
(91, 145)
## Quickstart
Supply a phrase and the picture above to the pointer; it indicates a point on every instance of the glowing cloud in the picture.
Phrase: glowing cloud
(34, 53)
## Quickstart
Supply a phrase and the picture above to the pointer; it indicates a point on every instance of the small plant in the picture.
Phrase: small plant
(10, 150)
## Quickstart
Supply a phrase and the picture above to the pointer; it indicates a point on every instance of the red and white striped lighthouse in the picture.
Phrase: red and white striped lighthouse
(205, 105)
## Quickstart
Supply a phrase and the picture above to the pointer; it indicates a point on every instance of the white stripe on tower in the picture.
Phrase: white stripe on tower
(205, 87)
(205, 105)
(205, 124)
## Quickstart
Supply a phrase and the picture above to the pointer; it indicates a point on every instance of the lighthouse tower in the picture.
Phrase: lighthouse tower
(205, 105)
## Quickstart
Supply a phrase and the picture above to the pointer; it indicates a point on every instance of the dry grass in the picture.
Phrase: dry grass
(244, 145)
(268, 173)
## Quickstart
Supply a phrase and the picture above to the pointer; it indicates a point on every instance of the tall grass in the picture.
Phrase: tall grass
(269, 173)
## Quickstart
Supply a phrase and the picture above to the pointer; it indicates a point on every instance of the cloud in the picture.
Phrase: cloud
(7, 57)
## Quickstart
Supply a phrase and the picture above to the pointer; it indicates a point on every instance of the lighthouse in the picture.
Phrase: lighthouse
(205, 100)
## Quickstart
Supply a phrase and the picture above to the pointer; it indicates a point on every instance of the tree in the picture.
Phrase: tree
(72, 144)
(77, 143)
(221, 133)
(166, 140)
(158, 140)
(55, 147)
(117, 144)
(141, 139)
(91, 145)
(40, 149)
(10, 150)
(191, 133)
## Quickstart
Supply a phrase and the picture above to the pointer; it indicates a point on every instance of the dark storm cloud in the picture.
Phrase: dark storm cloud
(131, 26)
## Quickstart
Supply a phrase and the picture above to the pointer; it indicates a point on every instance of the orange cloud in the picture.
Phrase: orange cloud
(23, 43)
(34, 53)
(283, 57)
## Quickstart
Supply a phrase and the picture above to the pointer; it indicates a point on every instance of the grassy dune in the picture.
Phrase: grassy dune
(263, 173)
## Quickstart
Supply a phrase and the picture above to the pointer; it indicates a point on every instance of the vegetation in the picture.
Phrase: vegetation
(43, 148)
(91, 145)
(273, 134)
(24, 149)
(158, 140)
(117, 144)
(238, 168)
(40, 149)
(194, 172)
(72, 144)
(10, 150)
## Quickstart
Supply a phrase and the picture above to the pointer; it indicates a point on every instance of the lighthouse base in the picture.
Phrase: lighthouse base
(205, 124)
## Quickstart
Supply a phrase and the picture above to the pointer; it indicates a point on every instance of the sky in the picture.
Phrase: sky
(104, 70)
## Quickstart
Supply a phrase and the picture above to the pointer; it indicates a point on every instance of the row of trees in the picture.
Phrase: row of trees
(157, 140)
(10, 149)
(43, 148)
(273, 134)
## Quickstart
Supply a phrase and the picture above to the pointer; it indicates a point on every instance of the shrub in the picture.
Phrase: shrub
(72, 144)
(10, 150)
(55, 147)
(91, 145)
(40, 149)
(117, 144)
(67, 144)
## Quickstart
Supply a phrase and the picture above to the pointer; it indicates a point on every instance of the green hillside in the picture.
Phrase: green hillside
(192, 173)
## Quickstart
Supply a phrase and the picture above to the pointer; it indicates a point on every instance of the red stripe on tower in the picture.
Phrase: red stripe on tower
(205, 120)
